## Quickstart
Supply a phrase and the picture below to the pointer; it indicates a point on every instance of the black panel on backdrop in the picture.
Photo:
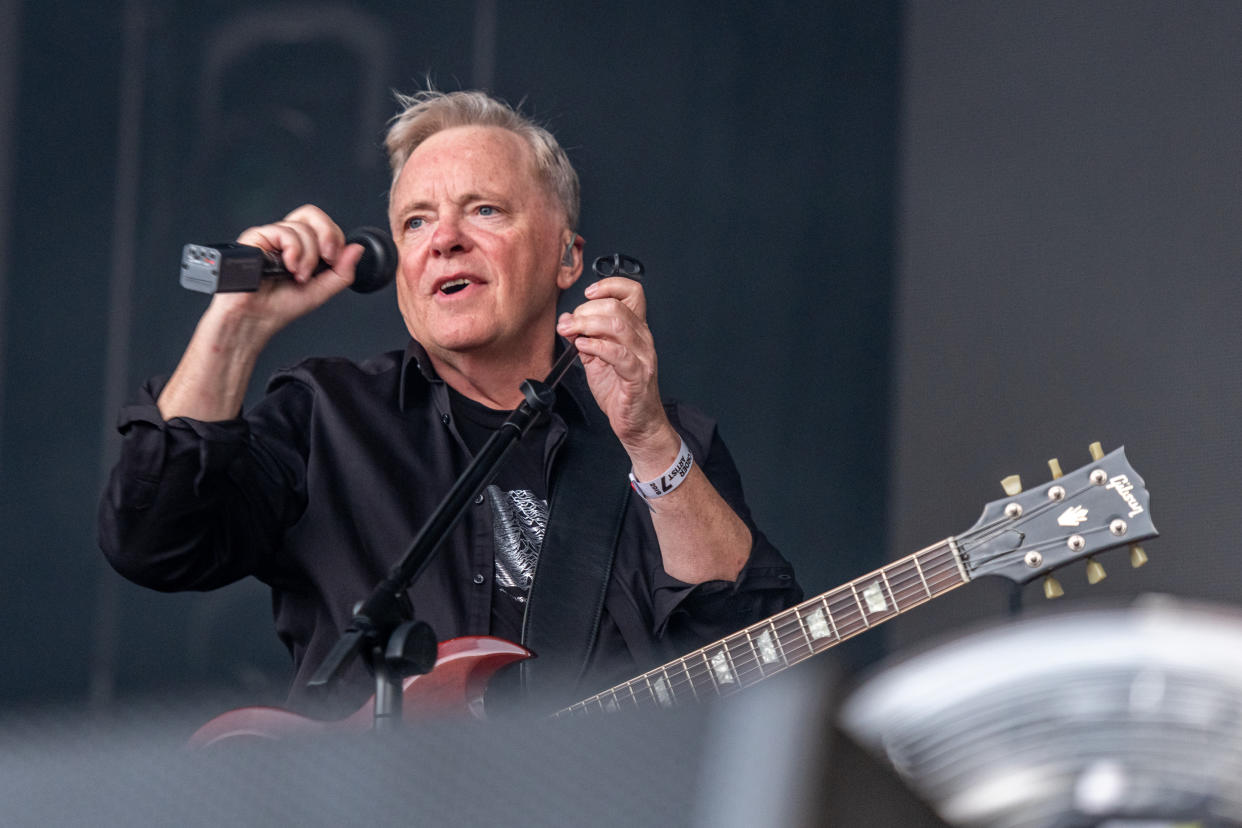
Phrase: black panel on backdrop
(747, 157)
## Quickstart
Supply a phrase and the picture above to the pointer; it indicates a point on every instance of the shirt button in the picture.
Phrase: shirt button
(444, 418)
(478, 499)
(478, 579)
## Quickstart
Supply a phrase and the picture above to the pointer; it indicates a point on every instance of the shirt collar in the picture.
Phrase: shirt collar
(418, 375)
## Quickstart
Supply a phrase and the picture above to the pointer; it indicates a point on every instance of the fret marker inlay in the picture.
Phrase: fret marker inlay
(817, 624)
(661, 693)
(874, 596)
(767, 647)
(720, 666)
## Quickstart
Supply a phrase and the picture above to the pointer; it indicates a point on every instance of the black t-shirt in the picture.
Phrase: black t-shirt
(519, 499)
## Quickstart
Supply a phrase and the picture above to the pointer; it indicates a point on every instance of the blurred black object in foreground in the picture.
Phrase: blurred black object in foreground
(1090, 718)
(765, 757)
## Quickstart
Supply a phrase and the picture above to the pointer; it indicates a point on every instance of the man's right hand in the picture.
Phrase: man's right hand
(211, 379)
(301, 239)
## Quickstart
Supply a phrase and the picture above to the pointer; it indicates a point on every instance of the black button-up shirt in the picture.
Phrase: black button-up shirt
(319, 489)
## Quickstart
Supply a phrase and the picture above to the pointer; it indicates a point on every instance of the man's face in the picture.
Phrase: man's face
(480, 242)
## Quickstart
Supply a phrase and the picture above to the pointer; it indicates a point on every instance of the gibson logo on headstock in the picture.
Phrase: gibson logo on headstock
(1122, 486)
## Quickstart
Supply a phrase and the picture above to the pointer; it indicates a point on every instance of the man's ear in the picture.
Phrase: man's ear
(571, 263)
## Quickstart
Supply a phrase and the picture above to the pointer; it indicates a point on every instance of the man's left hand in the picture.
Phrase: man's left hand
(618, 352)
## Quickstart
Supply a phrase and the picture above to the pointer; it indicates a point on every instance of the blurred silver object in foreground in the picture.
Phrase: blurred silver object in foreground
(1093, 718)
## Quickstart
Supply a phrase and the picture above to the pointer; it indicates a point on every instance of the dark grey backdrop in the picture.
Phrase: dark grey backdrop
(994, 232)
(1070, 206)
(745, 154)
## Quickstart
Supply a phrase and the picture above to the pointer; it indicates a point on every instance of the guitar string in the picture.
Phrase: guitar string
(908, 587)
(742, 665)
(738, 649)
(694, 666)
(992, 530)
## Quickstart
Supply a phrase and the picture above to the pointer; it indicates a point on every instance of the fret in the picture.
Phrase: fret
(892, 595)
(798, 642)
(722, 667)
(750, 642)
(957, 557)
(681, 662)
(846, 611)
(806, 636)
(629, 685)
(745, 658)
(676, 684)
(780, 645)
(862, 612)
(738, 660)
(938, 573)
(700, 679)
(832, 621)
(919, 569)
(710, 673)
(765, 648)
(649, 694)
(673, 683)
(664, 688)
(907, 589)
(952, 570)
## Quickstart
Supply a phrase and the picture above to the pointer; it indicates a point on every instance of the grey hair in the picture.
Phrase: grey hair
(425, 113)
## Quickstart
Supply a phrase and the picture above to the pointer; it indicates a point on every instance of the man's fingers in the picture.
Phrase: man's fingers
(346, 264)
(302, 239)
(608, 319)
(624, 360)
(627, 291)
(328, 235)
(307, 260)
(295, 249)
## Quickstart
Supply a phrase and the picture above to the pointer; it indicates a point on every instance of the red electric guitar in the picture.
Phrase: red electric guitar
(1023, 536)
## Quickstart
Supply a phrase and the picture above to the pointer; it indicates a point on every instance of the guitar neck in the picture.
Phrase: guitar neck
(764, 649)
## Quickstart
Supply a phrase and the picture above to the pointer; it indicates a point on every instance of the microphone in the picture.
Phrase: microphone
(229, 267)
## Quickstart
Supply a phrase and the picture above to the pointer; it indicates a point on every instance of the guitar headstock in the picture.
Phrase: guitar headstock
(1100, 506)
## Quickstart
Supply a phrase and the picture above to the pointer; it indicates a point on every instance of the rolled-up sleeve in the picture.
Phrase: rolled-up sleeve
(688, 613)
(187, 505)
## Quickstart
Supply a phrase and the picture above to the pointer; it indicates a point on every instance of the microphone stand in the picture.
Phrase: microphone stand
(384, 630)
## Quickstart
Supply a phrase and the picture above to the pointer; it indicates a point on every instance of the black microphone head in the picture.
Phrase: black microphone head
(378, 265)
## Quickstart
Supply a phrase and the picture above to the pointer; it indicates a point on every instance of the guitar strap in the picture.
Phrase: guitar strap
(586, 508)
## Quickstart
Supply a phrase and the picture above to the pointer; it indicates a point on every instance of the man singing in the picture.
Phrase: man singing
(318, 489)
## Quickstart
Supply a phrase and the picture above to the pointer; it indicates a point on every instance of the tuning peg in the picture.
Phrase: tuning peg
(1097, 451)
(1137, 556)
(1012, 485)
(1095, 572)
(1052, 588)
(1055, 465)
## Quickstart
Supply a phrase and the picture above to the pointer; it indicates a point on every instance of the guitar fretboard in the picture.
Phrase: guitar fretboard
(787, 638)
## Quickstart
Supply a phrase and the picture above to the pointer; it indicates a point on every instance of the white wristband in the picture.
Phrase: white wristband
(668, 481)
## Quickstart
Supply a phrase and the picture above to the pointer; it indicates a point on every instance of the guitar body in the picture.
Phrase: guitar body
(454, 688)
